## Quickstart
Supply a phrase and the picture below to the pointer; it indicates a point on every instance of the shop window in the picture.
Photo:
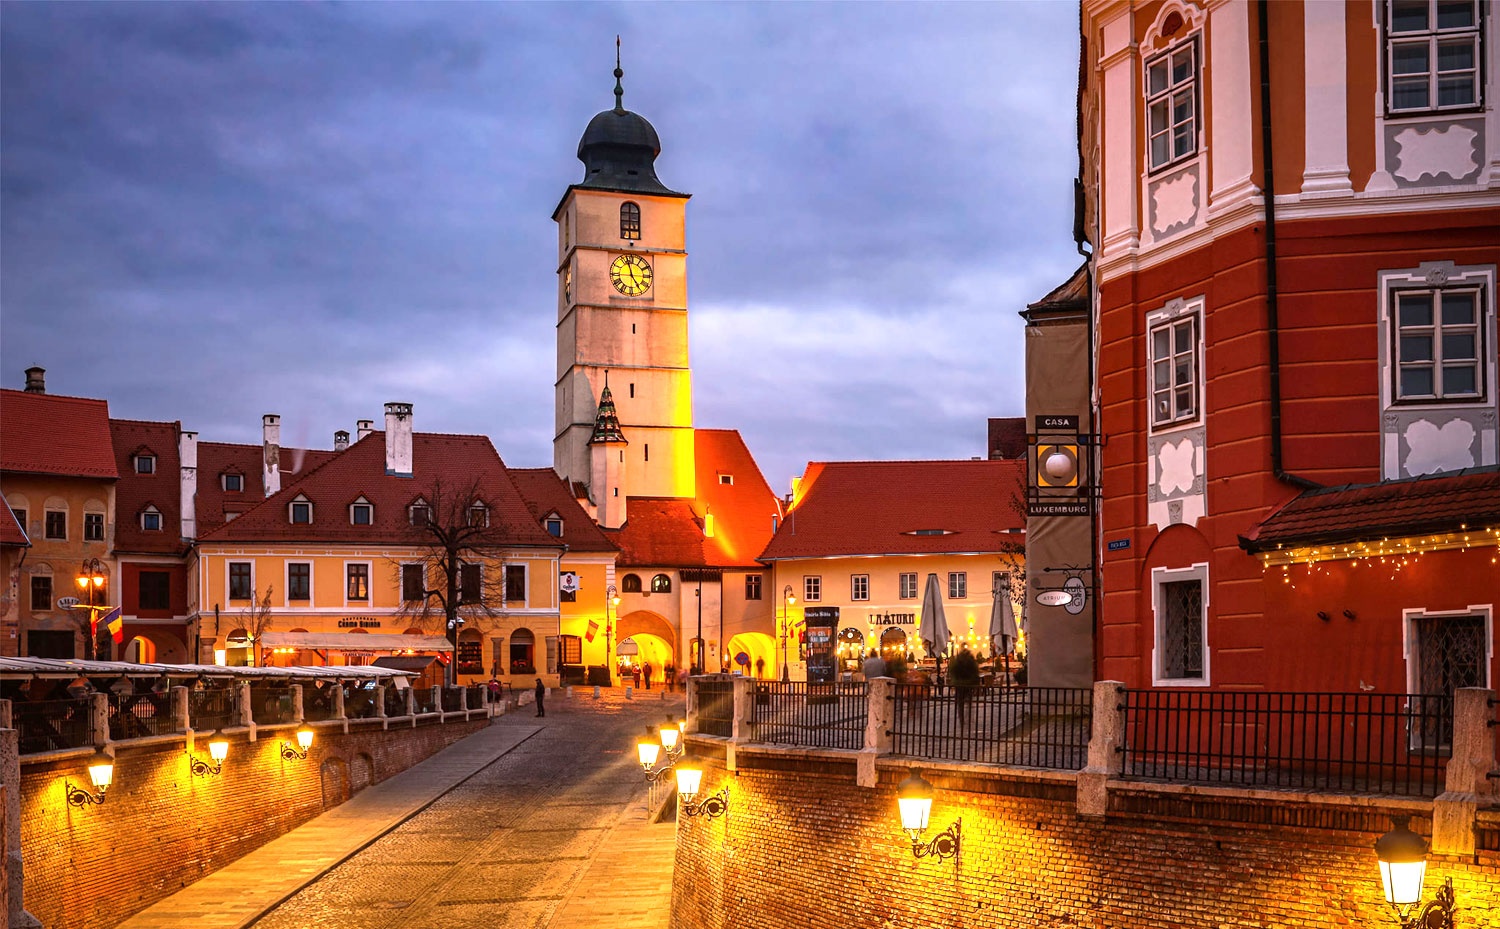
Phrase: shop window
(470, 655)
(155, 590)
(523, 652)
(1432, 53)
(240, 586)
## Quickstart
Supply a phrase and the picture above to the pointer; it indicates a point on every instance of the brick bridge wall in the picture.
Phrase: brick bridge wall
(803, 846)
(161, 828)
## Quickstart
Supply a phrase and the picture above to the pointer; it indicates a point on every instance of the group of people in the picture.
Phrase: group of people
(643, 671)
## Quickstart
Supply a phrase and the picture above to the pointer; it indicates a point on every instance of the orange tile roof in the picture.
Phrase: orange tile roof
(49, 434)
(870, 507)
(11, 532)
(161, 489)
(1412, 506)
(546, 493)
(455, 460)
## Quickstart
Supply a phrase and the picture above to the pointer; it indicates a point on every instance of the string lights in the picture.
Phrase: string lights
(1386, 554)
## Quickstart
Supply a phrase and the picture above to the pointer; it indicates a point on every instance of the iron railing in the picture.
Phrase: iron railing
(1350, 742)
(135, 716)
(474, 698)
(48, 725)
(318, 702)
(451, 701)
(395, 702)
(359, 702)
(271, 704)
(425, 698)
(830, 715)
(1037, 727)
(211, 708)
(716, 707)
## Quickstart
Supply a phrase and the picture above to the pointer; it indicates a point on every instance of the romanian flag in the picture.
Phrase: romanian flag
(115, 624)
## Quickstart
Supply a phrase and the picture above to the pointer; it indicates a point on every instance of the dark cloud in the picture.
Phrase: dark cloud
(211, 211)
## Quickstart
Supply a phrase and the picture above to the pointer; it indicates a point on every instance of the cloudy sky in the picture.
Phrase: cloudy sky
(213, 211)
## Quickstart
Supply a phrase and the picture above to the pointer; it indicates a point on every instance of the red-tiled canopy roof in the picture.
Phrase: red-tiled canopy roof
(1407, 507)
(48, 434)
(161, 489)
(869, 507)
(546, 493)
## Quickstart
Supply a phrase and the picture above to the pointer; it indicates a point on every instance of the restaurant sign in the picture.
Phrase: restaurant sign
(359, 622)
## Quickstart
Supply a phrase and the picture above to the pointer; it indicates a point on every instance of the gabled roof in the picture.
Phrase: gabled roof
(662, 532)
(1072, 294)
(162, 489)
(48, 434)
(1407, 507)
(871, 507)
(11, 532)
(545, 493)
(456, 460)
(216, 458)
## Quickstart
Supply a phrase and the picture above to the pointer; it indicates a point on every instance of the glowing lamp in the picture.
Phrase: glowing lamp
(98, 580)
(83, 583)
(304, 736)
(688, 780)
(101, 770)
(682, 726)
(648, 748)
(1402, 855)
(914, 803)
(669, 736)
(218, 746)
(791, 600)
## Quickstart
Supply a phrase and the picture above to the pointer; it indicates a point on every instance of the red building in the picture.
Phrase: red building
(1297, 396)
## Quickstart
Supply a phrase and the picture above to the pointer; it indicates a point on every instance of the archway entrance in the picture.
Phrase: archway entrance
(893, 643)
(646, 654)
(851, 648)
(654, 639)
(758, 651)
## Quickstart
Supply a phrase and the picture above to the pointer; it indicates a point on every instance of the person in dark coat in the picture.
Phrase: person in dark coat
(540, 693)
(646, 670)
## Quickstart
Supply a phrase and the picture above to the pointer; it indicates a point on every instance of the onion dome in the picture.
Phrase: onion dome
(619, 148)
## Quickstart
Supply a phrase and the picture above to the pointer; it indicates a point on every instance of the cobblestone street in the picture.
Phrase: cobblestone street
(508, 846)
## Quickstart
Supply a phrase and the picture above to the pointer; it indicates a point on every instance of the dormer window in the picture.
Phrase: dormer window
(300, 511)
(145, 464)
(726, 478)
(630, 220)
(419, 513)
(361, 512)
(233, 483)
(151, 518)
(554, 525)
(479, 514)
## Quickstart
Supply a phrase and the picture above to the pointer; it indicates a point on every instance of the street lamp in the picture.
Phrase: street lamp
(786, 627)
(101, 773)
(218, 750)
(689, 778)
(914, 802)
(611, 602)
(304, 742)
(90, 579)
(1402, 855)
(671, 738)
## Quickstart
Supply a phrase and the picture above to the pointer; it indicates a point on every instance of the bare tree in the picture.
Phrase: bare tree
(459, 540)
(256, 620)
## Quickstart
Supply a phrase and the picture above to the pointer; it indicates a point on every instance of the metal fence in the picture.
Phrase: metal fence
(425, 698)
(48, 725)
(211, 708)
(452, 701)
(395, 702)
(271, 704)
(716, 707)
(360, 703)
(830, 715)
(1038, 727)
(318, 702)
(475, 696)
(1356, 742)
(135, 716)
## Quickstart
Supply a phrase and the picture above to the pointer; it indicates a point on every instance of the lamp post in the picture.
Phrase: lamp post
(914, 803)
(689, 778)
(91, 579)
(611, 602)
(1402, 855)
(786, 627)
(304, 742)
(101, 773)
(218, 750)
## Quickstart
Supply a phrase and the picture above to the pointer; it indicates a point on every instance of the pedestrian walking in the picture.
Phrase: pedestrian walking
(646, 670)
(874, 666)
(669, 675)
(635, 674)
(541, 692)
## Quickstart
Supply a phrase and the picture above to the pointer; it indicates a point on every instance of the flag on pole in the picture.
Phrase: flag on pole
(116, 625)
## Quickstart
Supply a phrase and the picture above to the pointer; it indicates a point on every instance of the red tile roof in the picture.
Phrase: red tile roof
(48, 434)
(869, 507)
(217, 458)
(545, 493)
(455, 460)
(668, 531)
(1412, 506)
(1008, 437)
(161, 489)
(11, 532)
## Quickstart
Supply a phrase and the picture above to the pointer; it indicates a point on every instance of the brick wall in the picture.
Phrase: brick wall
(802, 846)
(161, 828)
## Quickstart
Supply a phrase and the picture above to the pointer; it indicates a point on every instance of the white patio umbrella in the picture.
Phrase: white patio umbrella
(934, 629)
(1003, 630)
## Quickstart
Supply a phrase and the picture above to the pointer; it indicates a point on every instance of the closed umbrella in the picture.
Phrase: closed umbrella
(1003, 630)
(934, 628)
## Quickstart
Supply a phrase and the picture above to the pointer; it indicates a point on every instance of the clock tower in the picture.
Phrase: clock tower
(622, 313)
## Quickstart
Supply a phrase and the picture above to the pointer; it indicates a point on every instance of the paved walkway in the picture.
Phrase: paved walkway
(235, 895)
(628, 884)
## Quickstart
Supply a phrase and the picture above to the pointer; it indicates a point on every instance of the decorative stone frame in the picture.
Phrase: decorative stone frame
(1160, 576)
(1174, 504)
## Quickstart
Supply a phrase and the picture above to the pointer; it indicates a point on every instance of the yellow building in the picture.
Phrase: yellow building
(852, 559)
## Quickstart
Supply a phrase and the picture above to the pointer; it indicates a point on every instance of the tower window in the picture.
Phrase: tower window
(632, 390)
(647, 450)
(630, 221)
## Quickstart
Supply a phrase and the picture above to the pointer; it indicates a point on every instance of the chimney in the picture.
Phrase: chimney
(398, 439)
(270, 429)
(340, 440)
(36, 379)
(363, 428)
(187, 458)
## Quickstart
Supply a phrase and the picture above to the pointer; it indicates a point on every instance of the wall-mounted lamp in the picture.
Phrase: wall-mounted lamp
(304, 741)
(101, 773)
(914, 801)
(671, 738)
(689, 778)
(1403, 866)
(648, 749)
(218, 750)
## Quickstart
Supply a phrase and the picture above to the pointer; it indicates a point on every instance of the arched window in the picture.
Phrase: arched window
(661, 584)
(630, 584)
(522, 652)
(630, 221)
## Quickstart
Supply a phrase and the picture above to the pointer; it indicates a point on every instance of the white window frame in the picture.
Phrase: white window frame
(137, 459)
(1409, 638)
(299, 500)
(411, 512)
(1436, 330)
(554, 518)
(901, 588)
(859, 587)
(727, 479)
(812, 588)
(525, 585)
(369, 583)
(149, 511)
(1167, 96)
(760, 586)
(228, 588)
(1194, 322)
(287, 579)
(1198, 571)
(1431, 37)
(359, 502)
(958, 585)
(1427, 276)
(224, 482)
(482, 508)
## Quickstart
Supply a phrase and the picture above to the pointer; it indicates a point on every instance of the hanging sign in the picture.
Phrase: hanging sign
(66, 603)
(1055, 422)
(1055, 597)
(568, 581)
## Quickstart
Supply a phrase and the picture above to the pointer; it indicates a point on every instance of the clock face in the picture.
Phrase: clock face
(631, 275)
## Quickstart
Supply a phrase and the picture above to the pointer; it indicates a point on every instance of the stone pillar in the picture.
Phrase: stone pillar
(411, 706)
(879, 724)
(99, 718)
(5, 715)
(180, 709)
(1105, 744)
(743, 716)
(463, 700)
(380, 700)
(1467, 777)
(692, 703)
(243, 710)
(10, 777)
(297, 703)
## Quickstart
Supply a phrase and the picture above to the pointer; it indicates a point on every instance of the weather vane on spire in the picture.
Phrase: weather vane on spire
(619, 90)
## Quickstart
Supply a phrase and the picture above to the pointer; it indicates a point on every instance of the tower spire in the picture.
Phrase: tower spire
(606, 421)
(619, 89)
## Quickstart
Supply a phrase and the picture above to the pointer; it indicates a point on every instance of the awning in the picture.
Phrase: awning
(355, 641)
(414, 664)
